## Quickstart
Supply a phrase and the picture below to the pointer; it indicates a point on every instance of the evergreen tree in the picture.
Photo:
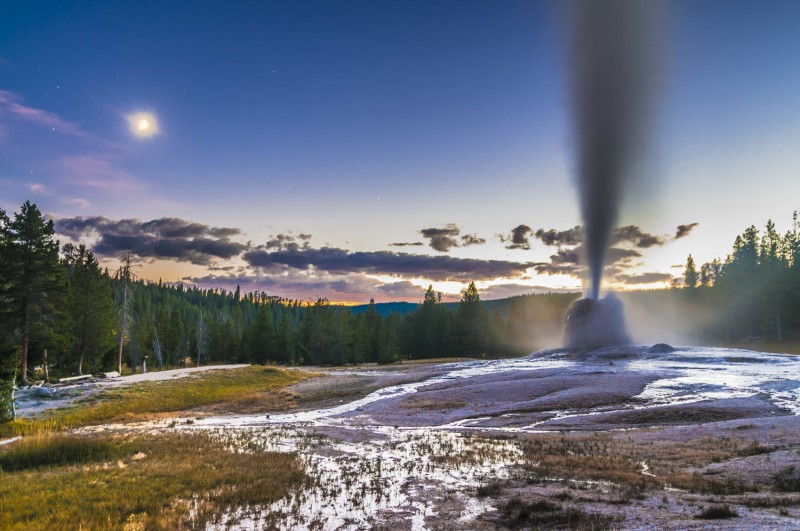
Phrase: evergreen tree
(36, 283)
(470, 324)
(262, 338)
(772, 266)
(430, 324)
(91, 307)
(124, 306)
(285, 341)
(9, 358)
(690, 274)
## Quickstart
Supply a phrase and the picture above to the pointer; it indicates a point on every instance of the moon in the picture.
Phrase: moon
(143, 124)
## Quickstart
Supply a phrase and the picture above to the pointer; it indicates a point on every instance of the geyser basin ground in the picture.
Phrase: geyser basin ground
(618, 437)
(609, 388)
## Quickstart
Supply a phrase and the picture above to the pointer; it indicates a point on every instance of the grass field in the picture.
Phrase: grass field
(61, 481)
(249, 389)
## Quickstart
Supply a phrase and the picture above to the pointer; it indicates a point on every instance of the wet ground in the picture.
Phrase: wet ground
(620, 438)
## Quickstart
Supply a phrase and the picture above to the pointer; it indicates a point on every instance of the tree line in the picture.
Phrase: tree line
(754, 293)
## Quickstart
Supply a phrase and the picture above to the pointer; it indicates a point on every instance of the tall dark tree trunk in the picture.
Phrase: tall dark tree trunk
(24, 354)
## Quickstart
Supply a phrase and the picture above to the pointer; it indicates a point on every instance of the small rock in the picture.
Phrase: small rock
(661, 348)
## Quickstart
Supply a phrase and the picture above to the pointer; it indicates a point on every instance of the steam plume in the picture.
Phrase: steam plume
(615, 67)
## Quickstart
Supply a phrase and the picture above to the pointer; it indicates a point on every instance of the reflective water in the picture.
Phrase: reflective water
(399, 477)
(695, 374)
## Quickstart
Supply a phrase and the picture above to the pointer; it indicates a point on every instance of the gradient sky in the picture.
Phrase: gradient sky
(298, 140)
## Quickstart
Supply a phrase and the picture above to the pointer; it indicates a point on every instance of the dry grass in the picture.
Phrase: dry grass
(543, 514)
(154, 482)
(247, 389)
(602, 458)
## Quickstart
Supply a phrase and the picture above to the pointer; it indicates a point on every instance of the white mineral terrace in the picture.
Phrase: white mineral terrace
(386, 475)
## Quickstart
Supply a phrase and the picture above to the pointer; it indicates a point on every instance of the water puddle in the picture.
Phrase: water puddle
(397, 479)
(693, 375)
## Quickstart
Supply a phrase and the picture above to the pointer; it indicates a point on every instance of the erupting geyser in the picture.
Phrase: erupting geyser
(595, 323)
(615, 69)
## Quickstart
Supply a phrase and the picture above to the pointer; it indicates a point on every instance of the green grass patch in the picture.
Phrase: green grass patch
(57, 449)
(147, 482)
(229, 390)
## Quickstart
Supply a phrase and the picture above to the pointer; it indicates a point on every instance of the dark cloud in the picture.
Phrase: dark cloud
(565, 256)
(471, 239)
(518, 239)
(288, 242)
(164, 238)
(443, 239)
(643, 278)
(554, 268)
(406, 244)
(570, 261)
(616, 255)
(636, 236)
(335, 260)
(572, 236)
(684, 230)
(628, 235)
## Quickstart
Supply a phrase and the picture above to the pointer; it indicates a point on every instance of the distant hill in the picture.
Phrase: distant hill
(385, 308)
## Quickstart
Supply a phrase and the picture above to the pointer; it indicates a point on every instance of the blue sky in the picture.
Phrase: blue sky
(363, 123)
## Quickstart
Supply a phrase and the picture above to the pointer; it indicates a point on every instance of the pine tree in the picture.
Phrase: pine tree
(91, 307)
(690, 274)
(470, 324)
(124, 306)
(37, 281)
(285, 341)
(772, 266)
(262, 339)
(9, 359)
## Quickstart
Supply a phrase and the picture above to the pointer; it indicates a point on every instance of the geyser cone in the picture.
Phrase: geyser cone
(595, 323)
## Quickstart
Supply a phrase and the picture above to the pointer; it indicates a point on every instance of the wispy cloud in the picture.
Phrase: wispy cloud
(12, 103)
(406, 244)
(99, 172)
(76, 201)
